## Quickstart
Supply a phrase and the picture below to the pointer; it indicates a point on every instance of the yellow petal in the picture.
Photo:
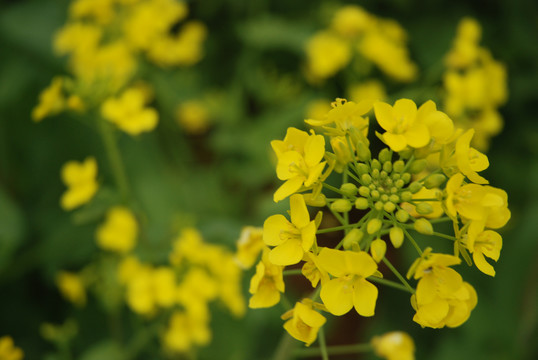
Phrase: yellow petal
(397, 142)
(272, 228)
(298, 211)
(359, 263)
(333, 261)
(288, 163)
(314, 150)
(417, 136)
(385, 116)
(482, 264)
(308, 236)
(337, 296)
(364, 297)
(405, 108)
(288, 253)
(288, 188)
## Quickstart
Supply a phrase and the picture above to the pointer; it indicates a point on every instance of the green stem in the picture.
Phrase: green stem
(442, 219)
(398, 275)
(292, 272)
(445, 236)
(332, 188)
(413, 242)
(323, 345)
(114, 158)
(334, 350)
(389, 283)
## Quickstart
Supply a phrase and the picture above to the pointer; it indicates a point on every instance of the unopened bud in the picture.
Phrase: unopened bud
(373, 226)
(385, 155)
(424, 208)
(387, 166)
(364, 191)
(396, 236)
(353, 237)
(318, 201)
(415, 187)
(366, 178)
(423, 226)
(361, 203)
(418, 166)
(362, 169)
(376, 164)
(389, 207)
(434, 181)
(406, 196)
(341, 205)
(363, 151)
(406, 177)
(402, 216)
(378, 248)
(398, 166)
(348, 189)
(378, 205)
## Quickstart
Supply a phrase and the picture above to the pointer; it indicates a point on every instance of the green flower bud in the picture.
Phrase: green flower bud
(361, 203)
(383, 174)
(388, 182)
(415, 187)
(366, 178)
(423, 226)
(393, 190)
(384, 198)
(375, 173)
(434, 181)
(399, 183)
(364, 191)
(318, 201)
(377, 249)
(348, 189)
(394, 198)
(389, 207)
(418, 166)
(424, 208)
(376, 164)
(405, 154)
(406, 196)
(402, 216)
(398, 166)
(385, 155)
(406, 177)
(374, 194)
(387, 166)
(353, 237)
(378, 206)
(362, 169)
(373, 226)
(341, 205)
(363, 151)
(396, 236)
(372, 186)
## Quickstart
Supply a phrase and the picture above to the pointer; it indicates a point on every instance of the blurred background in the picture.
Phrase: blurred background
(252, 82)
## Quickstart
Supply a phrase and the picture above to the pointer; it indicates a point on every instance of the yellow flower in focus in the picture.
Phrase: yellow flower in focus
(303, 322)
(349, 288)
(395, 345)
(290, 239)
(401, 125)
(485, 243)
(51, 100)
(345, 115)
(129, 113)
(249, 246)
(266, 284)
(184, 332)
(299, 161)
(470, 160)
(8, 350)
(326, 55)
(81, 182)
(119, 231)
(71, 287)
(193, 117)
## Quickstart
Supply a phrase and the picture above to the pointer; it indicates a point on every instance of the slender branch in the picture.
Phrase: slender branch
(323, 345)
(292, 272)
(389, 283)
(398, 275)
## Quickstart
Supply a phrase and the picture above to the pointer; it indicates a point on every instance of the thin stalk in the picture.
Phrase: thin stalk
(323, 345)
(413, 242)
(398, 275)
(292, 272)
(390, 283)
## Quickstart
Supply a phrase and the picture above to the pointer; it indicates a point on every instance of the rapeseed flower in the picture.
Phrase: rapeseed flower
(303, 322)
(119, 231)
(267, 284)
(8, 350)
(81, 182)
(395, 345)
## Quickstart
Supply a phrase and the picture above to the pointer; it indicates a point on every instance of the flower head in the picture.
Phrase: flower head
(303, 322)
(81, 182)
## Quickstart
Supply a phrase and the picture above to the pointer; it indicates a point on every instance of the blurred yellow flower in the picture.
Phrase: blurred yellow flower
(8, 350)
(71, 287)
(193, 117)
(81, 182)
(249, 246)
(119, 232)
(396, 345)
(51, 100)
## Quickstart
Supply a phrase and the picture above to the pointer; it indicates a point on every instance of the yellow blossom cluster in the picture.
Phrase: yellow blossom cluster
(357, 35)
(81, 181)
(395, 196)
(475, 84)
(8, 350)
(105, 41)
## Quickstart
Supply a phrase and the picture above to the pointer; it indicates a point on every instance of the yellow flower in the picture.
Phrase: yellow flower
(72, 287)
(313, 271)
(102, 11)
(465, 48)
(81, 182)
(128, 269)
(187, 246)
(345, 115)
(266, 284)
(51, 100)
(249, 246)
(395, 345)
(372, 90)
(164, 286)
(349, 288)
(193, 117)
(485, 243)
(301, 165)
(129, 113)
(326, 54)
(290, 239)
(351, 21)
(8, 350)
(401, 125)
(184, 332)
(437, 209)
(140, 292)
(470, 160)
(119, 231)
(303, 322)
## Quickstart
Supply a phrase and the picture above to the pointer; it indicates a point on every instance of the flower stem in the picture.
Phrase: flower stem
(419, 250)
(292, 272)
(323, 345)
(389, 283)
(398, 275)
(114, 158)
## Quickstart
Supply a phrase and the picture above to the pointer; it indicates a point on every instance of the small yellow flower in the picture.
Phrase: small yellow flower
(51, 100)
(290, 239)
(313, 271)
(372, 90)
(267, 284)
(486, 243)
(303, 322)
(349, 288)
(184, 332)
(81, 182)
(249, 246)
(72, 287)
(395, 345)
(129, 113)
(326, 54)
(345, 115)
(193, 117)
(119, 231)
(8, 350)
(470, 160)
(401, 125)
(351, 21)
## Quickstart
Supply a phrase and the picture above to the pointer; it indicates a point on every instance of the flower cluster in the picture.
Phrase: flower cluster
(105, 42)
(395, 195)
(8, 350)
(373, 40)
(475, 84)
